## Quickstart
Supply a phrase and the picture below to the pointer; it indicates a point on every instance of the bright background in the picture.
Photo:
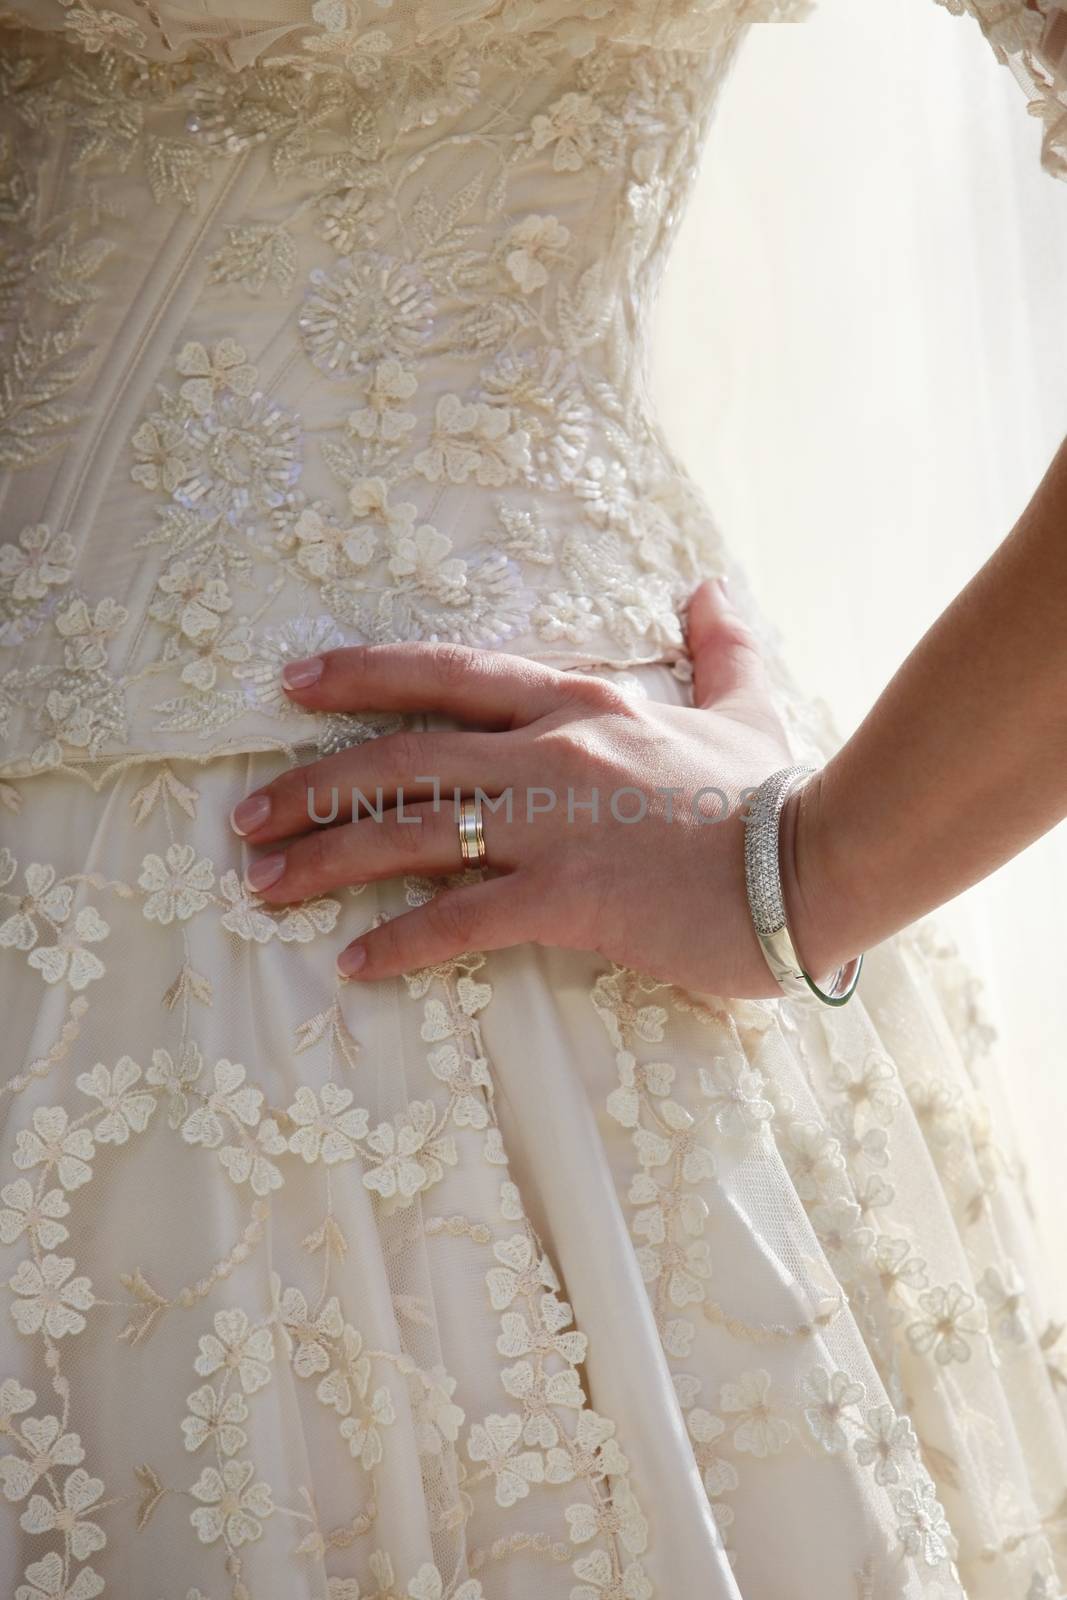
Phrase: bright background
(861, 354)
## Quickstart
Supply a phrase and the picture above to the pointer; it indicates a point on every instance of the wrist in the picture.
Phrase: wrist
(819, 903)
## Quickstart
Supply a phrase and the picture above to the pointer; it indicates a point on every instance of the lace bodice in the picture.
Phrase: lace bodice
(328, 323)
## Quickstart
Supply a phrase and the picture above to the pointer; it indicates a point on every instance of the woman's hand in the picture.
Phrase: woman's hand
(664, 894)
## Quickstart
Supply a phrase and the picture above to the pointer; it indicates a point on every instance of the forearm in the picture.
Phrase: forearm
(961, 762)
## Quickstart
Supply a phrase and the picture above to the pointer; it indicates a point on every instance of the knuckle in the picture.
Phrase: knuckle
(318, 855)
(307, 792)
(454, 663)
(402, 752)
(600, 694)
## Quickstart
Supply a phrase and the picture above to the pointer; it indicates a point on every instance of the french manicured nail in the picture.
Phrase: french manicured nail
(267, 870)
(350, 960)
(299, 674)
(250, 814)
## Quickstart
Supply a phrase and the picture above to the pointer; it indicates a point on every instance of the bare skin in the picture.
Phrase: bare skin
(960, 764)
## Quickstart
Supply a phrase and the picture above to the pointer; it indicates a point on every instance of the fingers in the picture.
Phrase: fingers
(491, 915)
(726, 656)
(489, 688)
(321, 792)
(419, 839)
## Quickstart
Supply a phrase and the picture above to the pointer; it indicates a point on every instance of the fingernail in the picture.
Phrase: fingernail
(350, 960)
(299, 674)
(724, 586)
(267, 870)
(250, 813)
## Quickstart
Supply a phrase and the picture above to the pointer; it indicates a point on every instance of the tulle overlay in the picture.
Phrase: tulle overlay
(523, 1272)
(525, 1277)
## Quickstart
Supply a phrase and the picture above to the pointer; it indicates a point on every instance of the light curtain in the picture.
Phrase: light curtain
(861, 352)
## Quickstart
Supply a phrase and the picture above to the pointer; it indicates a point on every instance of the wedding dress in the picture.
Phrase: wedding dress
(524, 1276)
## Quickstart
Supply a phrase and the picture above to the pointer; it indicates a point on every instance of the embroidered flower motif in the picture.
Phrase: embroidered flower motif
(813, 1157)
(44, 898)
(165, 454)
(178, 885)
(621, 1516)
(720, 1476)
(655, 1077)
(922, 1525)
(441, 86)
(35, 562)
(234, 1508)
(22, 1213)
(1003, 1294)
(80, 1494)
(98, 30)
(887, 1443)
(494, 1441)
(524, 1272)
(868, 1086)
(758, 1430)
(539, 1393)
(128, 1109)
(382, 417)
(215, 1419)
(363, 1432)
(531, 247)
(248, 1161)
(427, 1584)
(436, 1417)
(408, 1155)
(191, 600)
(600, 1581)
(247, 455)
(369, 307)
(329, 1133)
(843, 1234)
(350, 218)
(466, 1080)
(47, 1447)
(46, 1579)
(950, 1315)
(737, 1093)
(237, 1347)
(251, 919)
(549, 1332)
(52, 1299)
(830, 1397)
(55, 1143)
(310, 1338)
(350, 1379)
(895, 1265)
(473, 438)
(593, 1453)
(324, 546)
(567, 128)
(274, 649)
(176, 1078)
(232, 1101)
(226, 368)
(565, 616)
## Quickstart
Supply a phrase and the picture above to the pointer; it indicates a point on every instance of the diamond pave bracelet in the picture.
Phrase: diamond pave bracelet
(763, 880)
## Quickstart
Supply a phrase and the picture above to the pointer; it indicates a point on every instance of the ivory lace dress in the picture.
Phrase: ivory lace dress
(523, 1277)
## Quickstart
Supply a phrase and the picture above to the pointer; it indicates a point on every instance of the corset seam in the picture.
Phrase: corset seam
(177, 273)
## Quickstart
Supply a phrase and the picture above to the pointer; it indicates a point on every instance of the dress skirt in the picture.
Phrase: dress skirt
(523, 1277)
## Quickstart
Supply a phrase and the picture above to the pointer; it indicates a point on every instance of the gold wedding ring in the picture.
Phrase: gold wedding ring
(471, 838)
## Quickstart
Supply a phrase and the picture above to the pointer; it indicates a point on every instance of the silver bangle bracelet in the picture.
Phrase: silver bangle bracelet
(763, 881)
